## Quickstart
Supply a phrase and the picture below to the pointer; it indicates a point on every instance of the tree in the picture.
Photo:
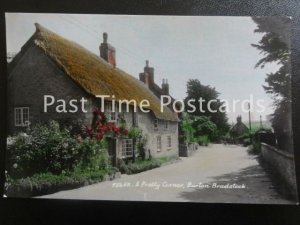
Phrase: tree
(186, 126)
(196, 91)
(204, 126)
(275, 47)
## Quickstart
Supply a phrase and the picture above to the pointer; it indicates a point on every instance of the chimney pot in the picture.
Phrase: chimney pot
(105, 36)
(149, 71)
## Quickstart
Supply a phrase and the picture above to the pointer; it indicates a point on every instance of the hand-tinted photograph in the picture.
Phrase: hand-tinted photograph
(149, 108)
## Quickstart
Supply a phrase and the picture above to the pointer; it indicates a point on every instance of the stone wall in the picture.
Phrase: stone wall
(186, 150)
(282, 163)
(34, 76)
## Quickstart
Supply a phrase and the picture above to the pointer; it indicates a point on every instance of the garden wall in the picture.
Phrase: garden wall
(187, 150)
(282, 163)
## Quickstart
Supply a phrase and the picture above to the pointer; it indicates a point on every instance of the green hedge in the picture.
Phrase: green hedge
(47, 183)
(141, 165)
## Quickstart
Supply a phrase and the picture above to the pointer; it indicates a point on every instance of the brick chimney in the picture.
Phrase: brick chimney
(148, 75)
(165, 87)
(107, 52)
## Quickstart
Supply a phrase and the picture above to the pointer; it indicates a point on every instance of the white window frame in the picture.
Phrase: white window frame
(166, 125)
(169, 142)
(158, 143)
(127, 147)
(111, 116)
(155, 124)
(22, 121)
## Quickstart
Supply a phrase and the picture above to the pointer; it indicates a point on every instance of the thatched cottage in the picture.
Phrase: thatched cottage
(49, 64)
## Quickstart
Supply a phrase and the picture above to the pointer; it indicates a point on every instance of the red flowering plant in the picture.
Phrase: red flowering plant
(101, 127)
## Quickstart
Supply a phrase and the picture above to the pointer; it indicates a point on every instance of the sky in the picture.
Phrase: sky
(215, 50)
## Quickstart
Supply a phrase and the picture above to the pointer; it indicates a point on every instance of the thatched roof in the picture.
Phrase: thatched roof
(95, 75)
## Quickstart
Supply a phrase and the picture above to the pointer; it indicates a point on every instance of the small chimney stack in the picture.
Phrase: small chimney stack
(146, 79)
(147, 76)
(107, 52)
(165, 87)
(150, 71)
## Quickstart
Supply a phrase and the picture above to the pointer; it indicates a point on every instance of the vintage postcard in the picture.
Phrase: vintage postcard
(149, 108)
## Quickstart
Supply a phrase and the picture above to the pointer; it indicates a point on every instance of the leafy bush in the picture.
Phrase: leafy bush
(140, 141)
(247, 137)
(141, 165)
(186, 124)
(141, 147)
(51, 149)
(255, 146)
(254, 149)
(45, 149)
(123, 167)
(92, 155)
(134, 133)
(205, 127)
(203, 140)
(47, 183)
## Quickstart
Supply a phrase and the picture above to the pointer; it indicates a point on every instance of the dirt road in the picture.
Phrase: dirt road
(218, 173)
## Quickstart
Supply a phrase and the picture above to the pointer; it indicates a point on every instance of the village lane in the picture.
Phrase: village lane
(217, 173)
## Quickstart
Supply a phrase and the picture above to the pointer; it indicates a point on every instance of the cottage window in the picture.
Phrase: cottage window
(158, 143)
(155, 124)
(127, 148)
(22, 116)
(169, 142)
(111, 112)
(166, 124)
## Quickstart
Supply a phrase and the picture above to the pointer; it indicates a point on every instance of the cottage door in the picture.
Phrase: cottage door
(112, 150)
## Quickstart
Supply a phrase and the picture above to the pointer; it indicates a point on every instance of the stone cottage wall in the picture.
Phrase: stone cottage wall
(146, 123)
(34, 76)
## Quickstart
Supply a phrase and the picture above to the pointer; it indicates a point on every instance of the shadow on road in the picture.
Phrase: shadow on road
(258, 189)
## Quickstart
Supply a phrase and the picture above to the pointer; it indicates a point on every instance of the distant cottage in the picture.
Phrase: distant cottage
(239, 128)
(49, 64)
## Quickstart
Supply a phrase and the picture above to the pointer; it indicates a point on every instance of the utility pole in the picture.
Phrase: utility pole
(261, 126)
(249, 116)
(250, 122)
